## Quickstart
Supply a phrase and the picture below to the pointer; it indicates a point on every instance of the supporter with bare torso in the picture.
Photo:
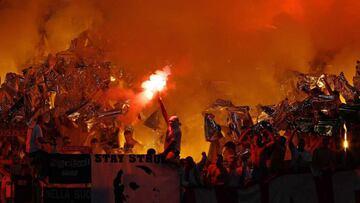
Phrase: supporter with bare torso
(173, 135)
(130, 142)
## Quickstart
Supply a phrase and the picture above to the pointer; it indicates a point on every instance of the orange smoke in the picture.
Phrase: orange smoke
(238, 50)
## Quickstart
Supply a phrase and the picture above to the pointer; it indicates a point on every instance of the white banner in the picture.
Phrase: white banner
(133, 178)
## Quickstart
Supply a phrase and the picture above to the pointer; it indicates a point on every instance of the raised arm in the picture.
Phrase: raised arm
(243, 134)
(201, 164)
(163, 110)
(270, 136)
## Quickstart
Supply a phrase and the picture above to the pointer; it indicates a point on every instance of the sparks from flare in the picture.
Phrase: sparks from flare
(156, 83)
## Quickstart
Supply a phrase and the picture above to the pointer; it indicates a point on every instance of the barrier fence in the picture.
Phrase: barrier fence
(141, 178)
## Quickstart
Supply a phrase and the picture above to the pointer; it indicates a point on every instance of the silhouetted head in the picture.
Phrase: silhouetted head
(190, 161)
(174, 122)
(174, 119)
(128, 130)
(282, 140)
(151, 151)
(120, 173)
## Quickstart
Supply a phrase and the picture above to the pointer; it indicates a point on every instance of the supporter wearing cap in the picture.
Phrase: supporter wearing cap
(173, 135)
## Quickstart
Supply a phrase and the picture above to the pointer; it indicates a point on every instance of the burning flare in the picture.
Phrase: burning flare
(156, 83)
(346, 144)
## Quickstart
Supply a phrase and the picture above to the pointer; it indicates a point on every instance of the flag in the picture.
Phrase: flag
(153, 121)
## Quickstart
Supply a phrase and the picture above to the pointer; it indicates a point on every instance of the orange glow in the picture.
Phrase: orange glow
(156, 83)
(244, 51)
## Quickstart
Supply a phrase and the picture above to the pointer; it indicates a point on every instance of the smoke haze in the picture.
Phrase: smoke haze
(238, 50)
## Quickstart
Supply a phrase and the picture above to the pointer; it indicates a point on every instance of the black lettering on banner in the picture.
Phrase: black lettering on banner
(157, 159)
(121, 158)
(140, 157)
(97, 158)
(113, 159)
(106, 157)
(132, 158)
(149, 159)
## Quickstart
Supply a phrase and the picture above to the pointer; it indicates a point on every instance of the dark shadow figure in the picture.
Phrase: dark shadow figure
(119, 188)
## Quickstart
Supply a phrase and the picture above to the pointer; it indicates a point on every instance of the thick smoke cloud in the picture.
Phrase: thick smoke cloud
(239, 50)
(31, 28)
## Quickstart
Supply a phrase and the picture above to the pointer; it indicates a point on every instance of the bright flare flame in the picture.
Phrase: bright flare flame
(345, 144)
(156, 83)
(112, 78)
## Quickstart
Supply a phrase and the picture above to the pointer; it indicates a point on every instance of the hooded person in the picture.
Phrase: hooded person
(173, 135)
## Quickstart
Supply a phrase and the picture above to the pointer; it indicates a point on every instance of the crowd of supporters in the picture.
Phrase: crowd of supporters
(252, 157)
(255, 158)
